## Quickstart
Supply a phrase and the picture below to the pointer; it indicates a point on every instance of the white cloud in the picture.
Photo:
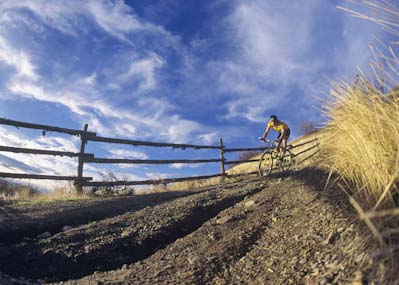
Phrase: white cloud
(183, 165)
(69, 17)
(129, 154)
(278, 51)
(143, 71)
(17, 59)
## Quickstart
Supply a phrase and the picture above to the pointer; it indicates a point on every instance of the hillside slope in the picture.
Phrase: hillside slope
(282, 230)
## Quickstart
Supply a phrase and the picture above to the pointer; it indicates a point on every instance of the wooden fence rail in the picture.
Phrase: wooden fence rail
(83, 157)
(144, 143)
(147, 161)
(45, 152)
(39, 176)
(19, 124)
(148, 182)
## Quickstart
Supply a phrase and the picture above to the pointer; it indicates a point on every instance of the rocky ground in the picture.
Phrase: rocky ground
(282, 230)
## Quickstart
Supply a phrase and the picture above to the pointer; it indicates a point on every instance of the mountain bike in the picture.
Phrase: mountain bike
(272, 160)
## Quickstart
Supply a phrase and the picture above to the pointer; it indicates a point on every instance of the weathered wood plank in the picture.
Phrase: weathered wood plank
(245, 149)
(298, 145)
(147, 161)
(37, 176)
(242, 174)
(44, 127)
(306, 150)
(310, 156)
(241, 161)
(45, 152)
(145, 143)
(83, 141)
(222, 160)
(147, 182)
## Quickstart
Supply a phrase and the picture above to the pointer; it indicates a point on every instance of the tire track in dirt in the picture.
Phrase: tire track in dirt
(199, 256)
(26, 222)
(125, 239)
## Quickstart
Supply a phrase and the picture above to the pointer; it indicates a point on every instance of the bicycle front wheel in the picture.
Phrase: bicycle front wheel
(286, 161)
(266, 163)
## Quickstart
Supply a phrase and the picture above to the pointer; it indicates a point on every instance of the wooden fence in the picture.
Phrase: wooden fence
(83, 157)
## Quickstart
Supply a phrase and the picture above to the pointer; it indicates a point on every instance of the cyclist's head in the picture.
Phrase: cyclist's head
(273, 118)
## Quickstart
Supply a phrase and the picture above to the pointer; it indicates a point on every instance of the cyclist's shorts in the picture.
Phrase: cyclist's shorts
(286, 135)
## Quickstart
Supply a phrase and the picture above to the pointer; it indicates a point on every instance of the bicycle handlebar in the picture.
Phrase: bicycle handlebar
(269, 141)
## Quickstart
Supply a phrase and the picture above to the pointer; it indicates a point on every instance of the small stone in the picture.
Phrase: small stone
(249, 203)
(224, 220)
(194, 259)
(66, 228)
(358, 278)
(360, 258)
(340, 229)
(302, 261)
(124, 266)
(323, 281)
(44, 235)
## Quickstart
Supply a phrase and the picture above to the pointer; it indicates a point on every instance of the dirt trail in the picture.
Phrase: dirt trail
(274, 231)
(26, 222)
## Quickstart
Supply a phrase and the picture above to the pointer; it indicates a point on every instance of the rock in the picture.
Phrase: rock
(340, 229)
(124, 267)
(358, 278)
(44, 235)
(194, 259)
(323, 281)
(249, 203)
(360, 258)
(66, 228)
(332, 237)
(224, 220)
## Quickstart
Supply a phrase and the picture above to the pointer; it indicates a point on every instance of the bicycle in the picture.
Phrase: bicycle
(271, 158)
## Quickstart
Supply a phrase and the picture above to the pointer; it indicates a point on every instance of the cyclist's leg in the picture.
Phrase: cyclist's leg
(284, 141)
(278, 143)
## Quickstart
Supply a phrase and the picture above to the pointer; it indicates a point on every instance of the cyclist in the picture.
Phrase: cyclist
(283, 130)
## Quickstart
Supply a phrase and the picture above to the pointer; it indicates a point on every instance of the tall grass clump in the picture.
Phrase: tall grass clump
(362, 141)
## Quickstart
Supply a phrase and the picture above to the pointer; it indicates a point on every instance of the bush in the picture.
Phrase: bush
(110, 176)
(307, 128)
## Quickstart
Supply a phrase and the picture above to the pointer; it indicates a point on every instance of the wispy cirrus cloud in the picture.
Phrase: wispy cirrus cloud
(130, 69)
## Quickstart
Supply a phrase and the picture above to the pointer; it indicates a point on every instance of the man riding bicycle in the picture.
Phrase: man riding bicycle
(282, 128)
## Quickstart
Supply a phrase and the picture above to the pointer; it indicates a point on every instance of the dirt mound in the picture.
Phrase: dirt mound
(260, 231)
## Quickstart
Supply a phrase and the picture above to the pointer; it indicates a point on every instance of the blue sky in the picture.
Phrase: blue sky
(168, 71)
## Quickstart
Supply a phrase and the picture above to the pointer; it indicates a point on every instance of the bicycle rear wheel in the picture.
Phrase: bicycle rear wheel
(266, 163)
(286, 162)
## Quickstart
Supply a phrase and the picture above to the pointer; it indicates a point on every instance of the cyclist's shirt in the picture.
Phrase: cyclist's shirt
(279, 127)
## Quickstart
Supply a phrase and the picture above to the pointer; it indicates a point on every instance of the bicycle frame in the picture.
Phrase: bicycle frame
(271, 158)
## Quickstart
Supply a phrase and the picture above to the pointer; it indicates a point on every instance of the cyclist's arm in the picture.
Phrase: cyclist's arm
(266, 133)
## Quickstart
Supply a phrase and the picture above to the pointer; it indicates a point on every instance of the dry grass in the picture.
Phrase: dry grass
(362, 141)
(23, 195)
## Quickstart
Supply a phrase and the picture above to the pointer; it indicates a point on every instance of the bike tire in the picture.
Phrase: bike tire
(266, 162)
(286, 162)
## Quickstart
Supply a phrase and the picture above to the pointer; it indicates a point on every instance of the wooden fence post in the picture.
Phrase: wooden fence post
(221, 152)
(83, 141)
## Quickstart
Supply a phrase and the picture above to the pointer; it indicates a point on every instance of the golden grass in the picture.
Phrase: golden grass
(361, 141)
(25, 196)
